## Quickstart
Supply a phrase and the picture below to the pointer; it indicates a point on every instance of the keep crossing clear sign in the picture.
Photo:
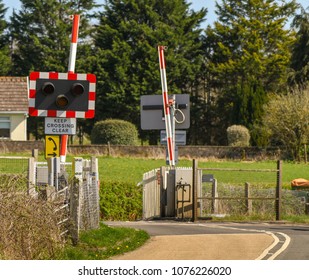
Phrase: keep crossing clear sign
(60, 126)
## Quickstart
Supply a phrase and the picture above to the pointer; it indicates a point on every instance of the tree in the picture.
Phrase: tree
(5, 60)
(286, 119)
(44, 43)
(126, 57)
(248, 51)
(299, 75)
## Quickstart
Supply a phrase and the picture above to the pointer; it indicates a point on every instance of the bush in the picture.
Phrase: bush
(116, 132)
(238, 135)
(121, 201)
(28, 227)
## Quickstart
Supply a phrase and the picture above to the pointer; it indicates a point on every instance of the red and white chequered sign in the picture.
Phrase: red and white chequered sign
(34, 76)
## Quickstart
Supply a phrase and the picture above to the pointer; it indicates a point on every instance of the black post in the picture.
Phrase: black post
(278, 190)
(194, 191)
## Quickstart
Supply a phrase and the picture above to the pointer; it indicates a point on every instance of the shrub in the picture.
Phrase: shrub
(117, 132)
(121, 201)
(28, 227)
(238, 135)
(286, 118)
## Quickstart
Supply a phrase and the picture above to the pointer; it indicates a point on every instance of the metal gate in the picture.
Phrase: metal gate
(169, 193)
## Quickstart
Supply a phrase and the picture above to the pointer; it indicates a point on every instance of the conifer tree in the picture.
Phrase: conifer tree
(5, 60)
(126, 60)
(41, 34)
(300, 53)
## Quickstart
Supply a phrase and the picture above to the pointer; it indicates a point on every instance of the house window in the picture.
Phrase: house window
(5, 125)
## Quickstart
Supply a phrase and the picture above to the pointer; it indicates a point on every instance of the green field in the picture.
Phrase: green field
(131, 170)
(121, 195)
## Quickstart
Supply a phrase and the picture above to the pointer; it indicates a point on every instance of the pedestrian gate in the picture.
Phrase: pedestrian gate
(169, 192)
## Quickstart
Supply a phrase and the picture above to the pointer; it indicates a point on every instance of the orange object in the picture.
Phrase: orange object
(300, 182)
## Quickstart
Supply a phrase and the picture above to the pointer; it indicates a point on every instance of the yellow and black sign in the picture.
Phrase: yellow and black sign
(52, 146)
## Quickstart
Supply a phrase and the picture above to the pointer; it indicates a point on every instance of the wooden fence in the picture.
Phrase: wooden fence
(197, 200)
(151, 194)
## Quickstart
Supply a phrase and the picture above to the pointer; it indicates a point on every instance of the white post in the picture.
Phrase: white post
(173, 127)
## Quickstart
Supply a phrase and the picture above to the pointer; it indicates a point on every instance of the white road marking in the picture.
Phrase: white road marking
(283, 247)
(266, 252)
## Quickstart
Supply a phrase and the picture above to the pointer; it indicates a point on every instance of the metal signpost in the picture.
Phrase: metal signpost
(62, 97)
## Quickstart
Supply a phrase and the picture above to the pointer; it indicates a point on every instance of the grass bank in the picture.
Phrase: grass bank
(105, 242)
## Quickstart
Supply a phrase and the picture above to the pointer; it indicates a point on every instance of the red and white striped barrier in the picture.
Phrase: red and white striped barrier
(71, 68)
(166, 106)
(73, 47)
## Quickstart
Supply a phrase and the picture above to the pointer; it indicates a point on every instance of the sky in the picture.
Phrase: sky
(196, 5)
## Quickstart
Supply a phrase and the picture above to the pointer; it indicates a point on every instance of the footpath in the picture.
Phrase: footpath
(202, 247)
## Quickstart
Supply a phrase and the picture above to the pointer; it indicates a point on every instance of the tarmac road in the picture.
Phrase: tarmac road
(173, 240)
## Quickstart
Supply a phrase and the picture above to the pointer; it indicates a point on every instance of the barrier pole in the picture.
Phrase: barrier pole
(166, 106)
(71, 69)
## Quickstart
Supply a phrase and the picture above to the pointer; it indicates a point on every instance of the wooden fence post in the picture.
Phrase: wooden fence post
(278, 190)
(248, 200)
(35, 154)
(75, 199)
(214, 194)
(163, 194)
(31, 177)
(95, 201)
(75, 210)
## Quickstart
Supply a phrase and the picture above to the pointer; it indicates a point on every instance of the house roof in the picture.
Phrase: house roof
(13, 94)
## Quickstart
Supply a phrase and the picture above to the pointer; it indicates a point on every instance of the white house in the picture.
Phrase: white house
(13, 108)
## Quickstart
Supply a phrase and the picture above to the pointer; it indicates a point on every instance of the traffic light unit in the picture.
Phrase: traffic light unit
(68, 95)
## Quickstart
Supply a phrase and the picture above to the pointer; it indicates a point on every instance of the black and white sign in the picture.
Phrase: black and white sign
(60, 126)
(152, 115)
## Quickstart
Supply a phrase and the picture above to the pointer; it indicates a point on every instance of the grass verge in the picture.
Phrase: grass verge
(105, 242)
(293, 219)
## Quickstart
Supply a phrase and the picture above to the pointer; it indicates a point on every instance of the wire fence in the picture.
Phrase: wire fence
(232, 200)
(13, 165)
(14, 172)
(53, 182)
(248, 199)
